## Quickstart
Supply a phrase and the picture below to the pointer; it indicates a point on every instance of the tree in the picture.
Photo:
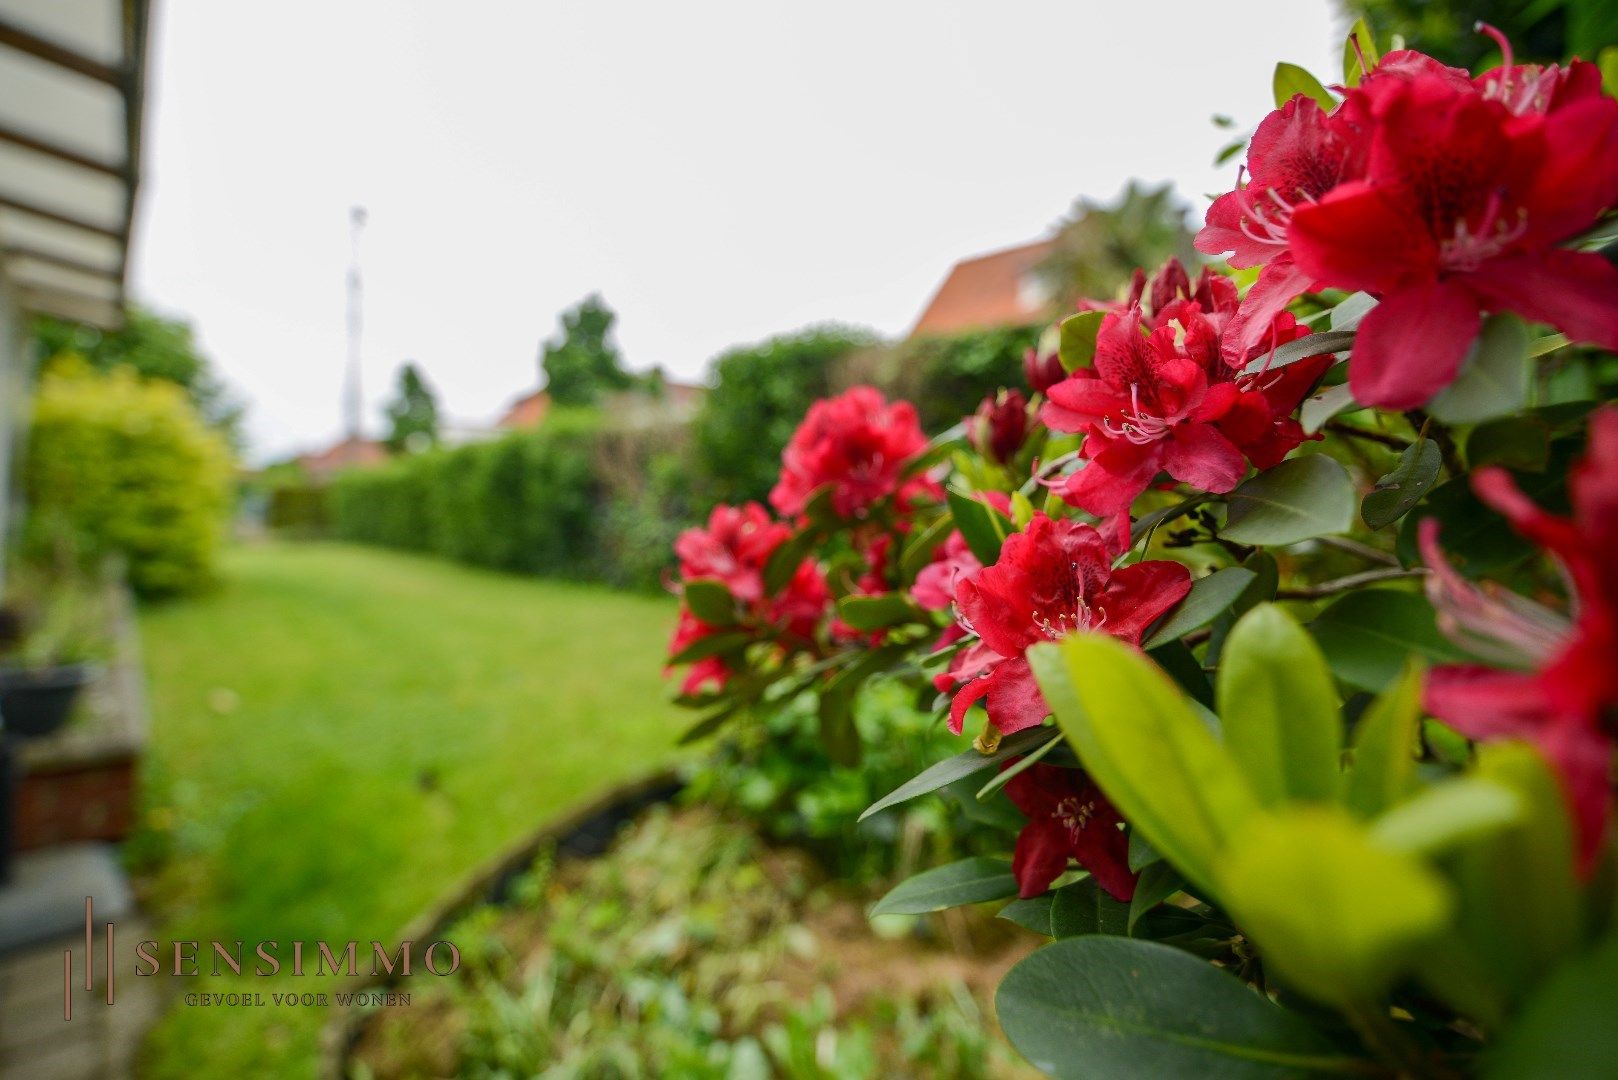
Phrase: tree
(584, 364)
(1548, 31)
(1099, 246)
(413, 413)
(156, 348)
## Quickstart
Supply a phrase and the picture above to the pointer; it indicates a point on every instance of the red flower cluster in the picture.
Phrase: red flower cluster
(1159, 398)
(733, 550)
(857, 443)
(1068, 817)
(1052, 578)
(1566, 701)
(1442, 195)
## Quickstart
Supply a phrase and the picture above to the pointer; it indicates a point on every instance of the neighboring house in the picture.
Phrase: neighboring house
(348, 453)
(984, 291)
(525, 413)
(72, 80)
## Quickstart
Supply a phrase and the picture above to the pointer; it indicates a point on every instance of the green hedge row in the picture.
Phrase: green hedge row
(544, 502)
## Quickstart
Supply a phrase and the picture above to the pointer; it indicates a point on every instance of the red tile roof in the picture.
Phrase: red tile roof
(526, 412)
(348, 454)
(987, 290)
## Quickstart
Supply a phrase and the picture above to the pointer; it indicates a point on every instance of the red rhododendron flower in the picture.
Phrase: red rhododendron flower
(999, 427)
(1443, 196)
(1068, 818)
(733, 549)
(1564, 696)
(1042, 370)
(857, 443)
(1051, 579)
(935, 583)
(1167, 402)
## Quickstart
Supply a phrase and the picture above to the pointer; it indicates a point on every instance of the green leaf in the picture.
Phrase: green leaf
(1078, 348)
(1208, 598)
(1031, 914)
(1399, 491)
(709, 724)
(785, 560)
(1450, 814)
(1337, 916)
(1085, 908)
(1514, 442)
(876, 612)
(1347, 315)
(1329, 341)
(1494, 379)
(837, 731)
(918, 551)
(710, 601)
(1157, 883)
(1368, 635)
(1291, 80)
(1566, 1030)
(1297, 500)
(1100, 1006)
(1324, 405)
(1477, 540)
(938, 449)
(1139, 738)
(1186, 670)
(970, 881)
(982, 526)
(1278, 705)
(711, 645)
(1006, 775)
(1357, 63)
(964, 764)
(1387, 741)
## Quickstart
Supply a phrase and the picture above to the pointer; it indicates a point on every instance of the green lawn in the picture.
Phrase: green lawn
(340, 734)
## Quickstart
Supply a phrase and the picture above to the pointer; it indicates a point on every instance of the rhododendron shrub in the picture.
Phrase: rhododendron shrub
(1278, 625)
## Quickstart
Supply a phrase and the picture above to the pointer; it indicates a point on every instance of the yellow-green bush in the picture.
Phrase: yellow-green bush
(127, 468)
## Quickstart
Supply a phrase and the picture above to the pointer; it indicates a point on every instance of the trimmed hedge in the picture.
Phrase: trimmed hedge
(552, 502)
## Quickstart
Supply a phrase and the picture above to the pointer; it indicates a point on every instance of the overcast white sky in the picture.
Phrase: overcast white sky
(718, 171)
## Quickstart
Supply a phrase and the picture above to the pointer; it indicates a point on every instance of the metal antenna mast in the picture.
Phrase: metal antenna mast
(353, 399)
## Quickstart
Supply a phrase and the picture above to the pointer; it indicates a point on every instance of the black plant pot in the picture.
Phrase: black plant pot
(37, 701)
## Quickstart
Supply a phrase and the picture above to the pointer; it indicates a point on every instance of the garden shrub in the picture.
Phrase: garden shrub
(944, 376)
(1277, 630)
(130, 469)
(295, 505)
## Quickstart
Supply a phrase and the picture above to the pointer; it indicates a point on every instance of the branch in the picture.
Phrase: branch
(1339, 427)
(1352, 581)
(1364, 551)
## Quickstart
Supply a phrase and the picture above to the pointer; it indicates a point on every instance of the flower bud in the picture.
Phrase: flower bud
(1000, 426)
(1042, 372)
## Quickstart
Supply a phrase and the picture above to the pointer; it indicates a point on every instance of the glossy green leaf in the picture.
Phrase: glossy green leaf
(1337, 916)
(1325, 404)
(1033, 913)
(964, 764)
(1010, 773)
(1208, 598)
(1347, 315)
(982, 526)
(1140, 739)
(1278, 705)
(1185, 669)
(1100, 1006)
(1085, 908)
(1078, 348)
(711, 645)
(785, 560)
(1513, 442)
(1566, 1031)
(969, 881)
(876, 612)
(919, 549)
(1329, 341)
(1494, 379)
(1157, 883)
(1298, 499)
(710, 601)
(1368, 636)
(1291, 80)
(1386, 743)
(1398, 492)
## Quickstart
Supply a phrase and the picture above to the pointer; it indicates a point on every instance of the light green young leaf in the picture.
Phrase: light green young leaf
(1448, 815)
(1361, 60)
(1291, 80)
(1138, 736)
(1386, 742)
(1278, 705)
(1079, 331)
(1338, 916)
